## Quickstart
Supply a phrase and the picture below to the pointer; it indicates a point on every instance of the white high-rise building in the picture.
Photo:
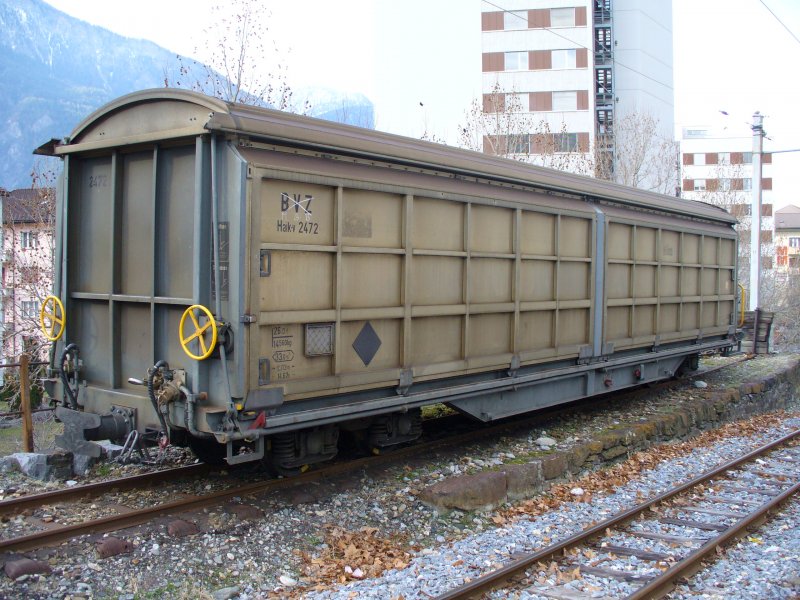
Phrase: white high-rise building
(718, 169)
(576, 68)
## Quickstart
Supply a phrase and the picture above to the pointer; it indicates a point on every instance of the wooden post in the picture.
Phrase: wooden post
(25, 403)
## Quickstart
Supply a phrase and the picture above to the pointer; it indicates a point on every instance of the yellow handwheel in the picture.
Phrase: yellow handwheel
(53, 311)
(196, 312)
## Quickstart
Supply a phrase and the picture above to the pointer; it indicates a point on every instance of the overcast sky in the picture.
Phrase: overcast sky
(419, 61)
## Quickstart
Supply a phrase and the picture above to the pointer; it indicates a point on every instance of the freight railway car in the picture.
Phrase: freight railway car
(252, 283)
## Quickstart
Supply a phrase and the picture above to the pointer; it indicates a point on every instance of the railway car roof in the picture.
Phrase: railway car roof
(165, 113)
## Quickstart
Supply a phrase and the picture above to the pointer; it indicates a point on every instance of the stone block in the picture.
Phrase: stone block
(578, 455)
(555, 465)
(614, 452)
(610, 438)
(468, 492)
(9, 464)
(81, 463)
(645, 430)
(522, 480)
(595, 446)
(109, 449)
(45, 466)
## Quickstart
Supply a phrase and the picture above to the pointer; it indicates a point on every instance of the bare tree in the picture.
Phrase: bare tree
(644, 156)
(244, 64)
(503, 125)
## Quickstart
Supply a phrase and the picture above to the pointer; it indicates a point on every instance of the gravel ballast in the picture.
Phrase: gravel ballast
(758, 573)
(311, 539)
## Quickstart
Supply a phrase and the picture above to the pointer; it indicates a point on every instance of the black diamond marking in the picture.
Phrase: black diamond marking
(367, 344)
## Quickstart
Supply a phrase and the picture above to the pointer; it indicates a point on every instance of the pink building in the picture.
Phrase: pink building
(27, 269)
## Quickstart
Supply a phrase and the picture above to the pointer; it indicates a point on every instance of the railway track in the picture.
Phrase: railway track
(125, 517)
(654, 544)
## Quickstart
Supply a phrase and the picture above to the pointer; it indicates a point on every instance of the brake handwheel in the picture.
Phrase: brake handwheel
(205, 331)
(51, 318)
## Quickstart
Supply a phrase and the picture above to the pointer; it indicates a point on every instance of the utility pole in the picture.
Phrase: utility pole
(755, 211)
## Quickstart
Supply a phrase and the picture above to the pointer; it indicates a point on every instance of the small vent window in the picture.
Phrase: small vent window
(319, 339)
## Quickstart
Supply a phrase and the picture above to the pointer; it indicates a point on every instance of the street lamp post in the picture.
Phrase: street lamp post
(755, 211)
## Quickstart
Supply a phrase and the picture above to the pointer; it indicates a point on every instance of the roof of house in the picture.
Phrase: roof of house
(27, 205)
(787, 217)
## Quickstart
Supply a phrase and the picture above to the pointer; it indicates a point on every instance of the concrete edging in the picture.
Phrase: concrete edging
(492, 487)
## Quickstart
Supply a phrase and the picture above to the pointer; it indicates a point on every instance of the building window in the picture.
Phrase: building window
(724, 158)
(28, 239)
(565, 101)
(564, 59)
(515, 19)
(516, 61)
(29, 308)
(518, 144)
(724, 184)
(747, 184)
(565, 142)
(699, 185)
(794, 242)
(699, 158)
(562, 17)
(747, 158)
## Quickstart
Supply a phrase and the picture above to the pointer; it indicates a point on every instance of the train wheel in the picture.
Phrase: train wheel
(394, 430)
(291, 453)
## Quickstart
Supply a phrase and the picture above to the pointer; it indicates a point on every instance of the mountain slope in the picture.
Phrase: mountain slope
(56, 69)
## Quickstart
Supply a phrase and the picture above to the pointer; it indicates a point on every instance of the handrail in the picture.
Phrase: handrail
(741, 304)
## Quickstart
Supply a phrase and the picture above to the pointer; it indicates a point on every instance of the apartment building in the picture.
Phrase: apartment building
(574, 68)
(27, 268)
(787, 241)
(718, 169)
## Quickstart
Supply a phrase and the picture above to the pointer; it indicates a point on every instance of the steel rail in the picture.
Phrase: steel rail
(16, 505)
(494, 578)
(138, 517)
(664, 583)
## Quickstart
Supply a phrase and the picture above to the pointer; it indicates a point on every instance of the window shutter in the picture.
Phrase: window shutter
(711, 158)
(537, 143)
(492, 21)
(540, 59)
(541, 101)
(494, 103)
(688, 185)
(688, 159)
(493, 61)
(581, 58)
(583, 141)
(766, 183)
(737, 158)
(583, 100)
(538, 18)
(766, 158)
(580, 16)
